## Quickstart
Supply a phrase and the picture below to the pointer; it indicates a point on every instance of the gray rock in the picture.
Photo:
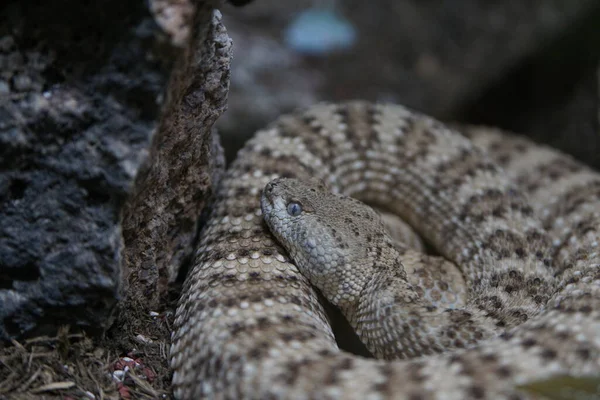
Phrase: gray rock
(76, 114)
(185, 164)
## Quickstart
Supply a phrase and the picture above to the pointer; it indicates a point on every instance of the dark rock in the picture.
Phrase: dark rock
(184, 165)
(553, 96)
(76, 115)
(574, 124)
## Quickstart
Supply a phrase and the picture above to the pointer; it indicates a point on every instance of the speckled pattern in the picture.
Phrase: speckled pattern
(342, 246)
(524, 235)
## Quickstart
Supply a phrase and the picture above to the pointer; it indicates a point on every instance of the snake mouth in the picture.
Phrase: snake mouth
(267, 200)
(268, 192)
(268, 197)
(271, 193)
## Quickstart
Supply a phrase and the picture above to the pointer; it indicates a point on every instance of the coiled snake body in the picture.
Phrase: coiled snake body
(520, 222)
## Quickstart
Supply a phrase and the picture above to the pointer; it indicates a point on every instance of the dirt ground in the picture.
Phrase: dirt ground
(127, 362)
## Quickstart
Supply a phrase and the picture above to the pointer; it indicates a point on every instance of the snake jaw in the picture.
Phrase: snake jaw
(327, 259)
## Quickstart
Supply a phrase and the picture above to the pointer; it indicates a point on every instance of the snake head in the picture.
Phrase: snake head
(327, 235)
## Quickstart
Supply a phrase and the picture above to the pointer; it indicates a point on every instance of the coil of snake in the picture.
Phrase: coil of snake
(512, 296)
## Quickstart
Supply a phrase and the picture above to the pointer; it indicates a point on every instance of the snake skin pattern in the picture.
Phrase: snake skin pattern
(401, 303)
(521, 223)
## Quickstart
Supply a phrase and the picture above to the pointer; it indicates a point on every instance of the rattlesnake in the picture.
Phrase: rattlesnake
(342, 246)
(525, 235)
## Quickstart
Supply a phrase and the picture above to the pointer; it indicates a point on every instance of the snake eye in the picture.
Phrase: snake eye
(294, 208)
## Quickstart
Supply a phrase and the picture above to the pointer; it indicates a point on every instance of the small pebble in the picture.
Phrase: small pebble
(118, 375)
(142, 339)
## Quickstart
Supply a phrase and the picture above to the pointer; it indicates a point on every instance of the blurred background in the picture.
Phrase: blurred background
(526, 66)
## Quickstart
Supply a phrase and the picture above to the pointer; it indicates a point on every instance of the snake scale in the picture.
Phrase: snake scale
(520, 220)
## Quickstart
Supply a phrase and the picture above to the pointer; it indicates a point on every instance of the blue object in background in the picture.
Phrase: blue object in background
(320, 31)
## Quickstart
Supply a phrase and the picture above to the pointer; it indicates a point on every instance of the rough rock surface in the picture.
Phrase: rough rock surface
(77, 103)
(185, 163)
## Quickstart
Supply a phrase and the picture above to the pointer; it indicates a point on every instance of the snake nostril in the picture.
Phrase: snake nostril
(268, 191)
